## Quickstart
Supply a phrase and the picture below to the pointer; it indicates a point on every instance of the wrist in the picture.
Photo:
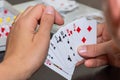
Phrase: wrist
(11, 70)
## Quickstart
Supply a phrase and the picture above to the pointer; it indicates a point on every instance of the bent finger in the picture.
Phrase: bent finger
(93, 50)
(96, 62)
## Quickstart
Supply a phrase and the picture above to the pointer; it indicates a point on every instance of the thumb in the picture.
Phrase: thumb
(47, 22)
(95, 50)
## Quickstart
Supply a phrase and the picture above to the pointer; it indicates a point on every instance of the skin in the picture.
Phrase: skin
(107, 49)
(26, 47)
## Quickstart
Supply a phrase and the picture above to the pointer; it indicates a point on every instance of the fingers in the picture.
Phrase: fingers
(23, 14)
(96, 62)
(36, 10)
(34, 15)
(58, 19)
(100, 28)
(47, 22)
(93, 50)
(26, 12)
(102, 33)
(80, 62)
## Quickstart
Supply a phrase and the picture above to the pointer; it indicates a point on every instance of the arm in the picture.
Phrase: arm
(106, 52)
(27, 48)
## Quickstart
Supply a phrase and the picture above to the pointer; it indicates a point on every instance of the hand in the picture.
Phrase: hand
(108, 51)
(91, 57)
(26, 47)
(103, 53)
(112, 13)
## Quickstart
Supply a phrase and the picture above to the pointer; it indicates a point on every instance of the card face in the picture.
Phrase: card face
(57, 69)
(55, 50)
(73, 36)
(7, 16)
(66, 57)
(66, 43)
(51, 56)
(63, 54)
(91, 32)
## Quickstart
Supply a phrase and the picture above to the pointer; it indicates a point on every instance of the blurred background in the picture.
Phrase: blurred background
(92, 3)
(81, 72)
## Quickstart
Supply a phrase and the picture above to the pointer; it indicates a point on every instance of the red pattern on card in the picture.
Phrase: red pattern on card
(5, 11)
(48, 62)
(89, 28)
(69, 32)
(2, 29)
(0, 35)
(78, 29)
(7, 33)
(83, 39)
(74, 26)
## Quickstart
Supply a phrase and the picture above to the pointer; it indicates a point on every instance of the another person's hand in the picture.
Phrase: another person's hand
(112, 13)
(106, 51)
(26, 47)
(93, 53)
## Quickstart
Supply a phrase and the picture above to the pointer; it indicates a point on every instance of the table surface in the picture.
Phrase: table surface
(81, 72)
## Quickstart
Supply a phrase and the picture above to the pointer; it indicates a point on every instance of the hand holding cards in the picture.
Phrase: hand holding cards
(62, 55)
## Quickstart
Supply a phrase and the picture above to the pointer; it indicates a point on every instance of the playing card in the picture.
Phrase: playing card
(55, 50)
(73, 36)
(91, 32)
(57, 69)
(65, 42)
(66, 57)
(51, 56)
(80, 33)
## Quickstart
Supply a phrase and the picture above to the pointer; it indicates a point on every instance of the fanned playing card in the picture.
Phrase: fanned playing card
(62, 55)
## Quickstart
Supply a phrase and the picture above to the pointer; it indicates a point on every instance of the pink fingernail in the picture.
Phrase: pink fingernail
(49, 10)
(82, 49)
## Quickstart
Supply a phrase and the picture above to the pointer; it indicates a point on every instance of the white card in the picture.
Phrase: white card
(55, 68)
(66, 57)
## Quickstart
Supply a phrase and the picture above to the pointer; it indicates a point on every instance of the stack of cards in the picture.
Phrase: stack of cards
(62, 55)
(62, 5)
(7, 16)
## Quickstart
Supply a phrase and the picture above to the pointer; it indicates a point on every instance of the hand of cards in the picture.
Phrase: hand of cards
(62, 54)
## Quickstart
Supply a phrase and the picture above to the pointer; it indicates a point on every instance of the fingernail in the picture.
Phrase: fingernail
(82, 49)
(49, 10)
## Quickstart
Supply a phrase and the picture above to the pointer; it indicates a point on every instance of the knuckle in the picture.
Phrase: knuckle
(48, 18)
